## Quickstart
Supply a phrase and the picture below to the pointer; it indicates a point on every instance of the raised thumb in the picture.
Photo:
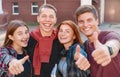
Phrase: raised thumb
(24, 59)
(95, 40)
(95, 37)
(77, 52)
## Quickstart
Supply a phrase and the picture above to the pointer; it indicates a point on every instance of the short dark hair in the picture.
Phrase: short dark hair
(86, 8)
(47, 6)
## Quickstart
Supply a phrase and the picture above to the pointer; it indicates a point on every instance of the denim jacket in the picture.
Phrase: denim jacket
(69, 54)
(72, 50)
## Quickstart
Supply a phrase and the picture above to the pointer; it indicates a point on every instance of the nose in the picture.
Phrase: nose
(48, 18)
(26, 35)
(85, 24)
(63, 33)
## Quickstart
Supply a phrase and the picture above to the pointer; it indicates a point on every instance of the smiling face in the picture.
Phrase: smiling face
(66, 35)
(47, 20)
(20, 37)
(87, 24)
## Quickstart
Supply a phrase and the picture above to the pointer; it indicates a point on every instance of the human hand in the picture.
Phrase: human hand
(16, 66)
(81, 61)
(100, 54)
(1, 43)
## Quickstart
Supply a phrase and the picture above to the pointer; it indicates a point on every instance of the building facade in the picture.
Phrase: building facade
(26, 10)
(112, 11)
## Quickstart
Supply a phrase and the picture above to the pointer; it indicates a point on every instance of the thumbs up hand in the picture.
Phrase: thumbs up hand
(77, 53)
(23, 60)
(81, 61)
(96, 42)
(100, 54)
(16, 66)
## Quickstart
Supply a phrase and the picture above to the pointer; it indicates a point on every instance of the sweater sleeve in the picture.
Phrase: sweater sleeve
(5, 57)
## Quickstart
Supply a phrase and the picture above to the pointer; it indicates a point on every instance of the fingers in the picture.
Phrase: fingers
(15, 67)
(24, 59)
(106, 62)
(77, 52)
(96, 53)
(15, 70)
(101, 56)
(83, 63)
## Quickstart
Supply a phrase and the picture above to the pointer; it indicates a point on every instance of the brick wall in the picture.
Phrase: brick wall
(24, 9)
(3, 20)
(66, 9)
(112, 11)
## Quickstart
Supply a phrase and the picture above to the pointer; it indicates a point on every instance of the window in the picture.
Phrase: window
(86, 2)
(15, 8)
(34, 8)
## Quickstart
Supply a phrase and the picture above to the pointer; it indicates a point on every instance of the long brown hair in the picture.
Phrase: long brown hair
(74, 28)
(11, 28)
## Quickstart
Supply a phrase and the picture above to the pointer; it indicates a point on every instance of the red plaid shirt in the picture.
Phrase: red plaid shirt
(6, 55)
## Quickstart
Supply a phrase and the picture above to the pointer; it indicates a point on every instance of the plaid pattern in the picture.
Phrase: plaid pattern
(5, 58)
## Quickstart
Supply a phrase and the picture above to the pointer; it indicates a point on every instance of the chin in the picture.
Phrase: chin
(24, 45)
(89, 35)
(62, 42)
(48, 30)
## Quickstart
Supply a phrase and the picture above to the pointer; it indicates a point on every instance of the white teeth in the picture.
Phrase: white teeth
(47, 25)
(62, 38)
(24, 41)
(86, 29)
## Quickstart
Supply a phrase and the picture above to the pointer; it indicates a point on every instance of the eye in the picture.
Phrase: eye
(60, 30)
(51, 16)
(89, 20)
(27, 32)
(43, 16)
(20, 33)
(67, 31)
(80, 22)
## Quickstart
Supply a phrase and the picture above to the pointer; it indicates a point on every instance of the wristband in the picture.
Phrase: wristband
(110, 50)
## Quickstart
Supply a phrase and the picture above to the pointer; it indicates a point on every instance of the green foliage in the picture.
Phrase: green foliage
(32, 24)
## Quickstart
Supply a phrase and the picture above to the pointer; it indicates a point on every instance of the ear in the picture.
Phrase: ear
(10, 37)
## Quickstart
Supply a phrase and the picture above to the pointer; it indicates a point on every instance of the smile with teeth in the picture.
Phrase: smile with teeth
(86, 29)
(24, 41)
(62, 38)
(47, 25)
